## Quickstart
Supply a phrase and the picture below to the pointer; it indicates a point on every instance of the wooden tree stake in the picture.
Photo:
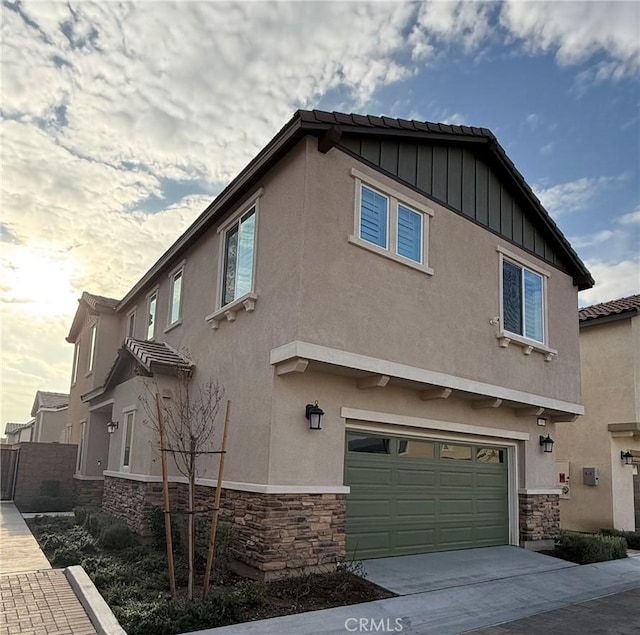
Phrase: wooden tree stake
(216, 505)
(165, 500)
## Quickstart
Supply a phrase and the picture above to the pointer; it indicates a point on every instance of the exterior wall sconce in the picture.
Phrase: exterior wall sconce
(314, 413)
(112, 426)
(626, 457)
(546, 443)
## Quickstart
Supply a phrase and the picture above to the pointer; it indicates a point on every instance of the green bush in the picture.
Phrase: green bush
(632, 537)
(588, 548)
(117, 536)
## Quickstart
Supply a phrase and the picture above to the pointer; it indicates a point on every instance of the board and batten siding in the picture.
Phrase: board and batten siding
(460, 180)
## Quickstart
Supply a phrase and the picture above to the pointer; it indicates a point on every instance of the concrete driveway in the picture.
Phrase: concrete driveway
(456, 592)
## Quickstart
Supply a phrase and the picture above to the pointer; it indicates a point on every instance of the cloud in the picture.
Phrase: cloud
(547, 149)
(574, 196)
(631, 218)
(594, 239)
(577, 31)
(613, 280)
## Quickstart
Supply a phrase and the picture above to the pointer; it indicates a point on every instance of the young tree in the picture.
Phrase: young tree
(183, 416)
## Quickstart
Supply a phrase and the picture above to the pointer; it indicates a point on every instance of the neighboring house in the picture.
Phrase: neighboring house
(18, 432)
(49, 411)
(401, 274)
(610, 428)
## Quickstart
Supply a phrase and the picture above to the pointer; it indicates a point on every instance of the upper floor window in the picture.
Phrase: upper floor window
(523, 307)
(92, 348)
(131, 324)
(74, 368)
(390, 224)
(152, 303)
(127, 438)
(239, 255)
(175, 307)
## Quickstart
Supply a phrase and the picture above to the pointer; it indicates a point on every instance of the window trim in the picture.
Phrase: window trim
(93, 345)
(81, 444)
(394, 199)
(75, 363)
(172, 275)
(131, 319)
(506, 337)
(149, 297)
(130, 410)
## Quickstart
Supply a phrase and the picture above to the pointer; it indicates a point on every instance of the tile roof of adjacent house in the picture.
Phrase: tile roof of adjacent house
(49, 400)
(10, 428)
(329, 126)
(624, 307)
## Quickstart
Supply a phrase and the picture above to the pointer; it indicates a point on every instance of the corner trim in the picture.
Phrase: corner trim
(377, 366)
(84, 477)
(432, 424)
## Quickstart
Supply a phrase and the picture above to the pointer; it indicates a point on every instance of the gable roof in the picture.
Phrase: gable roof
(12, 428)
(89, 304)
(608, 311)
(329, 127)
(51, 400)
(153, 357)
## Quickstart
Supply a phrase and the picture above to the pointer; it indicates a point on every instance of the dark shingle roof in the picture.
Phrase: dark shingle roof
(630, 305)
(153, 354)
(52, 399)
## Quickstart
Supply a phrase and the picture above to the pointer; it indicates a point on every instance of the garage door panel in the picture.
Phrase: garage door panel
(456, 479)
(401, 504)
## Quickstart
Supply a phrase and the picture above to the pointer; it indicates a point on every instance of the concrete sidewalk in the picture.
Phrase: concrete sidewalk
(38, 600)
(458, 609)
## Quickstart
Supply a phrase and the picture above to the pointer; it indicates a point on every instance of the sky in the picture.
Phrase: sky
(121, 122)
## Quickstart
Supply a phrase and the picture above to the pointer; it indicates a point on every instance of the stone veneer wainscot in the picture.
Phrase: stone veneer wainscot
(273, 534)
(539, 520)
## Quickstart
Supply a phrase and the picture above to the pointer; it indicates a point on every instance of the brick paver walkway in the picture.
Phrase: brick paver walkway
(41, 603)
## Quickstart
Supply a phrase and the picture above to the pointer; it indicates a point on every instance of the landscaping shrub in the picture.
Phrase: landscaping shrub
(632, 537)
(588, 548)
(111, 532)
(117, 536)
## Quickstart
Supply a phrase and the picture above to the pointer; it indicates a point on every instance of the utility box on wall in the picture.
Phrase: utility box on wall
(562, 468)
(590, 475)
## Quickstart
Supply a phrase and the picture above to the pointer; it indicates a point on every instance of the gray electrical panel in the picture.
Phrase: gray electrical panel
(590, 475)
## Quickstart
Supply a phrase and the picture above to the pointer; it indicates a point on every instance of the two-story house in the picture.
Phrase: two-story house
(608, 437)
(48, 423)
(400, 274)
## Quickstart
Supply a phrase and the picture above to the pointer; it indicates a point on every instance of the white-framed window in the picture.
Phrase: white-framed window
(239, 240)
(152, 309)
(523, 301)
(92, 348)
(131, 324)
(128, 422)
(74, 368)
(391, 224)
(175, 297)
(80, 446)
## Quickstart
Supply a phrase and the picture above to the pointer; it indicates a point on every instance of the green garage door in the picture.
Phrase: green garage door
(414, 496)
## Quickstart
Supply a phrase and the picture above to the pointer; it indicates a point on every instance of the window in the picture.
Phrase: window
(92, 348)
(368, 445)
(416, 449)
(175, 306)
(131, 324)
(80, 446)
(74, 368)
(127, 436)
(522, 301)
(490, 455)
(151, 316)
(390, 224)
(457, 452)
(239, 253)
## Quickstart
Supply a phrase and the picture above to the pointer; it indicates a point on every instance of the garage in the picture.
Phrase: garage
(413, 495)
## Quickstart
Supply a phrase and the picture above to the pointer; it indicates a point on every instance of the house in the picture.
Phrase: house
(49, 411)
(18, 432)
(400, 274)
(599, 460)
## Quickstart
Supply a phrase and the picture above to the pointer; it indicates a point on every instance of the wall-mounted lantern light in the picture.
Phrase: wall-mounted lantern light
(112, 426)
(626, 457)
(542, 421)
(546, 443)
(314, 414)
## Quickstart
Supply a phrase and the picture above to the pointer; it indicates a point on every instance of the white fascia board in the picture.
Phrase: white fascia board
(374, 365)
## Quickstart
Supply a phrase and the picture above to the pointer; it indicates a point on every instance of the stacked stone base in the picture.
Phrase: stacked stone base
(87, 493)
(274, 535)
(539, 520)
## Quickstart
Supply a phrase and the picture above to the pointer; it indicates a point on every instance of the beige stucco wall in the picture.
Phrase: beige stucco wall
(312, 285)
(610, 390)
(50, 425)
